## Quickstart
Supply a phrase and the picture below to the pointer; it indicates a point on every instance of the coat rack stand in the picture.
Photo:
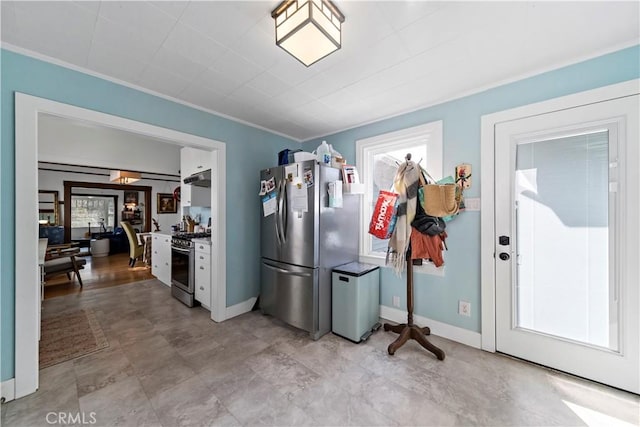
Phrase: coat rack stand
(408, 330)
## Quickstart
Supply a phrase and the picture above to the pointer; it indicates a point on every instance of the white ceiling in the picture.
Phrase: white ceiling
(396, 56)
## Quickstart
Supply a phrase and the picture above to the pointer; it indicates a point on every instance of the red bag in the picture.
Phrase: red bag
(383, 220)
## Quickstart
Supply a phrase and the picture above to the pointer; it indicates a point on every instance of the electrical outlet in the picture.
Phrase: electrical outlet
(396, 301)
(464, 308)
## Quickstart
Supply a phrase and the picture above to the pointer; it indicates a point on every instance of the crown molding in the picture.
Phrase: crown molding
(64, 64)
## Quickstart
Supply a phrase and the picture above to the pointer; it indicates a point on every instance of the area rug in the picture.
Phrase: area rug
(69, 335)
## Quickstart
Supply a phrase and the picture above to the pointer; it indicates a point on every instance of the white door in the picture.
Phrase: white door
(567, 205)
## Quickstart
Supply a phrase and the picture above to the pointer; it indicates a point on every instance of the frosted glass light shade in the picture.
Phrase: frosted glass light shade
(309, 29)
(124, 177)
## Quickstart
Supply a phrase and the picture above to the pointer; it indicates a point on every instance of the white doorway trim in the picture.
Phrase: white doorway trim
(487, 186)
(27, 110)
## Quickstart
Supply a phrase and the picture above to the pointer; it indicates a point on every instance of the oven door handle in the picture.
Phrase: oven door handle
(184, 251)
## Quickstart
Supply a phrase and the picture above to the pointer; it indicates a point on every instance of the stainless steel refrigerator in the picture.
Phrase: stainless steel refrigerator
(300, 248)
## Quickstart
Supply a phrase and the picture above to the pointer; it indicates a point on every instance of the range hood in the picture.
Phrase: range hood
(201, 179)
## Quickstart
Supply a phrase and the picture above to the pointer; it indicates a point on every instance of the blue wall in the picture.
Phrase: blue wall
(248, 150)
(437, 297)
(254, 149)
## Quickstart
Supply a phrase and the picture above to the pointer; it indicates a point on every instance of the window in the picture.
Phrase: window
(377, 159)
(94, 210)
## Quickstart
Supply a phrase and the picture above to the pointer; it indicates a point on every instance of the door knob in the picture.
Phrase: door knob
(504, 256)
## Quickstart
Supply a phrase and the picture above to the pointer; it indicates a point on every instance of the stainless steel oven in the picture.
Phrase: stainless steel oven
(183, 270)
(183, 259)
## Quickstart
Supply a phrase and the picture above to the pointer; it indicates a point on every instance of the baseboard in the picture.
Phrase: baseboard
(444, 330)
(241, 308)
(8, 390)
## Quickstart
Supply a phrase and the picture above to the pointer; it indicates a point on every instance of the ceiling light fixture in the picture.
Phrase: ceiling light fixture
(308, 29)
(124, 177)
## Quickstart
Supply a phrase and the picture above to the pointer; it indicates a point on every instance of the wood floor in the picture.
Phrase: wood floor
(98, 273)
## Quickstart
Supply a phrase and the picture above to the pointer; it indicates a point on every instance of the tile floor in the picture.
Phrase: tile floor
(170, 365)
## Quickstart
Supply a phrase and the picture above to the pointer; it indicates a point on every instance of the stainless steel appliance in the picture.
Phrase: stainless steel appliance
(183, 266)
(200, 179)
(299, 248)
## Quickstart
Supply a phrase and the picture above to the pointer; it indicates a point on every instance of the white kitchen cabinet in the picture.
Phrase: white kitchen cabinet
(185, 194)
(203, 275)
(161, 257)
(191, 195)
(192, 161)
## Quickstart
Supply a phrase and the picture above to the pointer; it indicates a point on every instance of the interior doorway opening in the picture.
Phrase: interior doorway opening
(69, 187)
(27, 111)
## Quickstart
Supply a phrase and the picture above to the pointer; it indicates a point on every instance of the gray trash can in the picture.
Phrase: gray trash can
(355, 300)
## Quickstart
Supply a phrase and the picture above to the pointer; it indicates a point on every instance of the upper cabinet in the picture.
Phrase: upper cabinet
(193, 161)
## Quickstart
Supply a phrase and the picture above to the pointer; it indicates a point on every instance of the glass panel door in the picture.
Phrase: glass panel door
(567, 240)
(562, 228)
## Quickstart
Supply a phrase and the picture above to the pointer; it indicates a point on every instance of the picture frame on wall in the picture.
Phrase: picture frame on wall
(166, 203)
(131, 198)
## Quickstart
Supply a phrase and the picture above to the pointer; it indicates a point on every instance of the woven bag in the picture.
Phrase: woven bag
(439, 199)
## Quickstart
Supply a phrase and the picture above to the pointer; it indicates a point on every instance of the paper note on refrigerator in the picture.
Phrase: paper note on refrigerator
(291, 172)
(271, 184)
(335, 194)
(269, 204)
(263, 188)
(308, 177)
(299, 201)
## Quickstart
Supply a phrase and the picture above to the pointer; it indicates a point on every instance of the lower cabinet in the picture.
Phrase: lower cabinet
(161, 258)
(203, 274)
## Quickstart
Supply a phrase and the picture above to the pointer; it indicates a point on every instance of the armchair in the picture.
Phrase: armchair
(135, 248)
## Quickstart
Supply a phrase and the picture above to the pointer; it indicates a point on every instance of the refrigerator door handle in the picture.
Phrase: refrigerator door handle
(282, 270)
(280, 211)
(277, 214)
(285, 213)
